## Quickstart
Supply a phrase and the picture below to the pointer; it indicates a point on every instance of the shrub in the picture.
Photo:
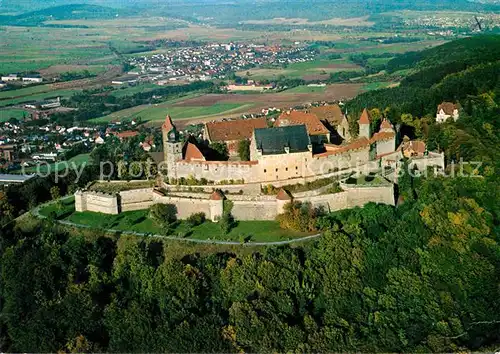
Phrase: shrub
(52, 215)
(196, 219)
(163, 214)
(227, 206)
(299, 217)
(226, 223)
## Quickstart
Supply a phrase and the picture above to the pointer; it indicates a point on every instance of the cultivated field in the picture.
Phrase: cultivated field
(101, 47)
(351, 22)
(281, 99)
(6, 114)
(55, 70)
(200, 108)
(157, 112)
(37, 97)
(310, 70)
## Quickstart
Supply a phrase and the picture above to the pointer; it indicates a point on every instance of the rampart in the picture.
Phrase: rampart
(245, 207)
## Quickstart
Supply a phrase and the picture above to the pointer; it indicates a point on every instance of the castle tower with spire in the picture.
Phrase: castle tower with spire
(172, 147)
(364, 125)
(385, 138)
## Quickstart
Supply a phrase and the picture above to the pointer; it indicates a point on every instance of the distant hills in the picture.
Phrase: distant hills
(221, 11)
(63, 12)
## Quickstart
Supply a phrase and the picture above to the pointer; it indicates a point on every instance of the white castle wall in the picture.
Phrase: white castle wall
(273, 168)
(244, 207)
(186, 206)
(136, 199)
(255, 210)
(95, 201)
(322, 165)
(282, 167)
(386, 146)
(433, 159)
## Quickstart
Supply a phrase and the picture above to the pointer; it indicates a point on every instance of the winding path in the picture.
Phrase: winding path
(36, 212)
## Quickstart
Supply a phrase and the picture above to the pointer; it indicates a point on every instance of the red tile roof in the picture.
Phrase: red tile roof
(216, 195)
(231, 130)
(381, 136)
(340, 149)
(385, 125)
(126, 134)
(310, 120)
(365, 117)
(447, 107)
(415, 146)
(193, 153)
(331, 113)
(168, 125)
(283, 195)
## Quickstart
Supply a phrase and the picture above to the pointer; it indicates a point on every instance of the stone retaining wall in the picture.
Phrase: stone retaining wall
(244, 207)
(136, 199)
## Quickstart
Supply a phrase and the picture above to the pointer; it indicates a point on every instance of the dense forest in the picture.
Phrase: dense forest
(420, 277)
(423, 276)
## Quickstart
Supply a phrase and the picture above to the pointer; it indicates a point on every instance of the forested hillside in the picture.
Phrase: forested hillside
(466, 72)
(420, 277)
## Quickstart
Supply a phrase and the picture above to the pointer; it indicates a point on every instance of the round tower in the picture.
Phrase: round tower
(216, 205)
(282, 198)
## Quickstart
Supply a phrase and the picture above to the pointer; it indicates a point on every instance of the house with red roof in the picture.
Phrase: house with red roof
(447, 110)
(127, 134)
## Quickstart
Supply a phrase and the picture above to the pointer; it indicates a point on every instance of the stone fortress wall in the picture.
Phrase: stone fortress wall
(95, 201)
(245, 207)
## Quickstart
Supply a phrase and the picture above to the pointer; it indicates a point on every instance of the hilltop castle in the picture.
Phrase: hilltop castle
(296, 149)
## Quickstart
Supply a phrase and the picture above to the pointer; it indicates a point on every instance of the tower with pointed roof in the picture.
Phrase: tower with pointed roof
(172, 147)
(364, 125)
(385, 138)
(386, 126)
